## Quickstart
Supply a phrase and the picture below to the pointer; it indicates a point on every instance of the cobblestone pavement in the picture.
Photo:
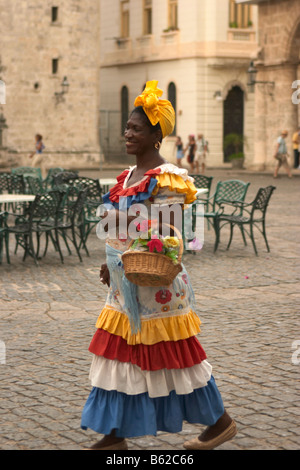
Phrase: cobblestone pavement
(248, 307)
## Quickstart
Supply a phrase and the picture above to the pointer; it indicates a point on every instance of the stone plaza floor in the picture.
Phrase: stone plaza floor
(248, 306)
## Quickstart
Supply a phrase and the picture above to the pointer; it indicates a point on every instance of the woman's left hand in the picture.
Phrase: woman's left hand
(104, 274)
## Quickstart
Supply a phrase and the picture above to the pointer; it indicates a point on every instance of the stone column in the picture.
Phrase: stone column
(284, 114)
(260, 129)
(274, 111)
(298, 105)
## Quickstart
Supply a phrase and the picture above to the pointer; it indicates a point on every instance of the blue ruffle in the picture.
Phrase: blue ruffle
(140, 415)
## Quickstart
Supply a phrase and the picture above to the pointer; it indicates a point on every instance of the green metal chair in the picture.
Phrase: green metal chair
(41, 219)
(253, 215)
(4, 182)
(93, 198)
(27, 171)
(50, 174)
(17, 184)
(219, 203)
(4, 236)
(35, 185)
(63, 179)
(71, 225)
(91, 186)
(12, 184)
(202, 181)
(71, 183)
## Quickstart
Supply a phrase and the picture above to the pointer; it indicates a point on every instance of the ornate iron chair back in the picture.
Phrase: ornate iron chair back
(230, 190)
(27, 170)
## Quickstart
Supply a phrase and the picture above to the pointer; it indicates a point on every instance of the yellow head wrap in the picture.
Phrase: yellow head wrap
(157, 110)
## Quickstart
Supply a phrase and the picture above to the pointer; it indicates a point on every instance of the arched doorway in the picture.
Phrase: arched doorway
(124, 108)
(233, 111)
(172, 99)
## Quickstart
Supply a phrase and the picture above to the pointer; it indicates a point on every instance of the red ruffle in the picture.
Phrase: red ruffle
(163, 355)
(154, 172)
(117, 191)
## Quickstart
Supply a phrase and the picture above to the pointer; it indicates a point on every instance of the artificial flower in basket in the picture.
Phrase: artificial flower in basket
(151, 241)
(151, 259)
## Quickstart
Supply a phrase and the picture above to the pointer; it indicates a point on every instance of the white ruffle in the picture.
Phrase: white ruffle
(175, 170)
(130, 379)
(165, 168)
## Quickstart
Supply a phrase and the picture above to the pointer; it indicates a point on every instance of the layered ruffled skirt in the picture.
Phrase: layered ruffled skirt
(150, 376)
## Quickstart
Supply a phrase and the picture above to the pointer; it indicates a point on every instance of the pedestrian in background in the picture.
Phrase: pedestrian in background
(296, 146)
(179, 151)
(281, 154)
(37, 157)
(191, 149)
(201, 153)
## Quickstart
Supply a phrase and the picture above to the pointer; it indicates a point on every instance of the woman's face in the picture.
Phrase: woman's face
(138, 135)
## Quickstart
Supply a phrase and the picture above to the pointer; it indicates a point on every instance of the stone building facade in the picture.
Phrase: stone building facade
(198, 51)
(41, 42)
(277, 106)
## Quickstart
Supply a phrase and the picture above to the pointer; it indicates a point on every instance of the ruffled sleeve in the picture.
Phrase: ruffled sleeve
(174, 186)
(122, 197)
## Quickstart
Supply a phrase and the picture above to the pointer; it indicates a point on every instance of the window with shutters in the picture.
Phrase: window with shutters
(124, 18)
(240, 16)
(147, 16)
(173, 14)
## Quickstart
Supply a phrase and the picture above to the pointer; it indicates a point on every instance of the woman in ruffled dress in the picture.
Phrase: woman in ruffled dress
(149, 372)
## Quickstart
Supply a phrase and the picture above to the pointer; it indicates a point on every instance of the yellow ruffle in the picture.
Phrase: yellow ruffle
(153, 331)
(176, 183)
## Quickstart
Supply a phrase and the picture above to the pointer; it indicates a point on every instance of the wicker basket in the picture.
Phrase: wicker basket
(151, 269)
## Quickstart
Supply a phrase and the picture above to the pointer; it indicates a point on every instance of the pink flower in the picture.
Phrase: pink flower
(144, 226)
(155, 244)
(195, 245)
(185, 278)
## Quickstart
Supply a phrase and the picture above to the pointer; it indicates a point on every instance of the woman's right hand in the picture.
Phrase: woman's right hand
(104, 274)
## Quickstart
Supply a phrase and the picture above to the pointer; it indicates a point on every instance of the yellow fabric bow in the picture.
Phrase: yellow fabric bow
(157, 110)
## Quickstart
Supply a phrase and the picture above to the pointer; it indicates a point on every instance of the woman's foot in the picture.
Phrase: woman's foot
(213, 431)
(223, 430)
(110, 442)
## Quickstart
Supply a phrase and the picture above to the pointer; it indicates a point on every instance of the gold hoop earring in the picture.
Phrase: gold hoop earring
(157, 145)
